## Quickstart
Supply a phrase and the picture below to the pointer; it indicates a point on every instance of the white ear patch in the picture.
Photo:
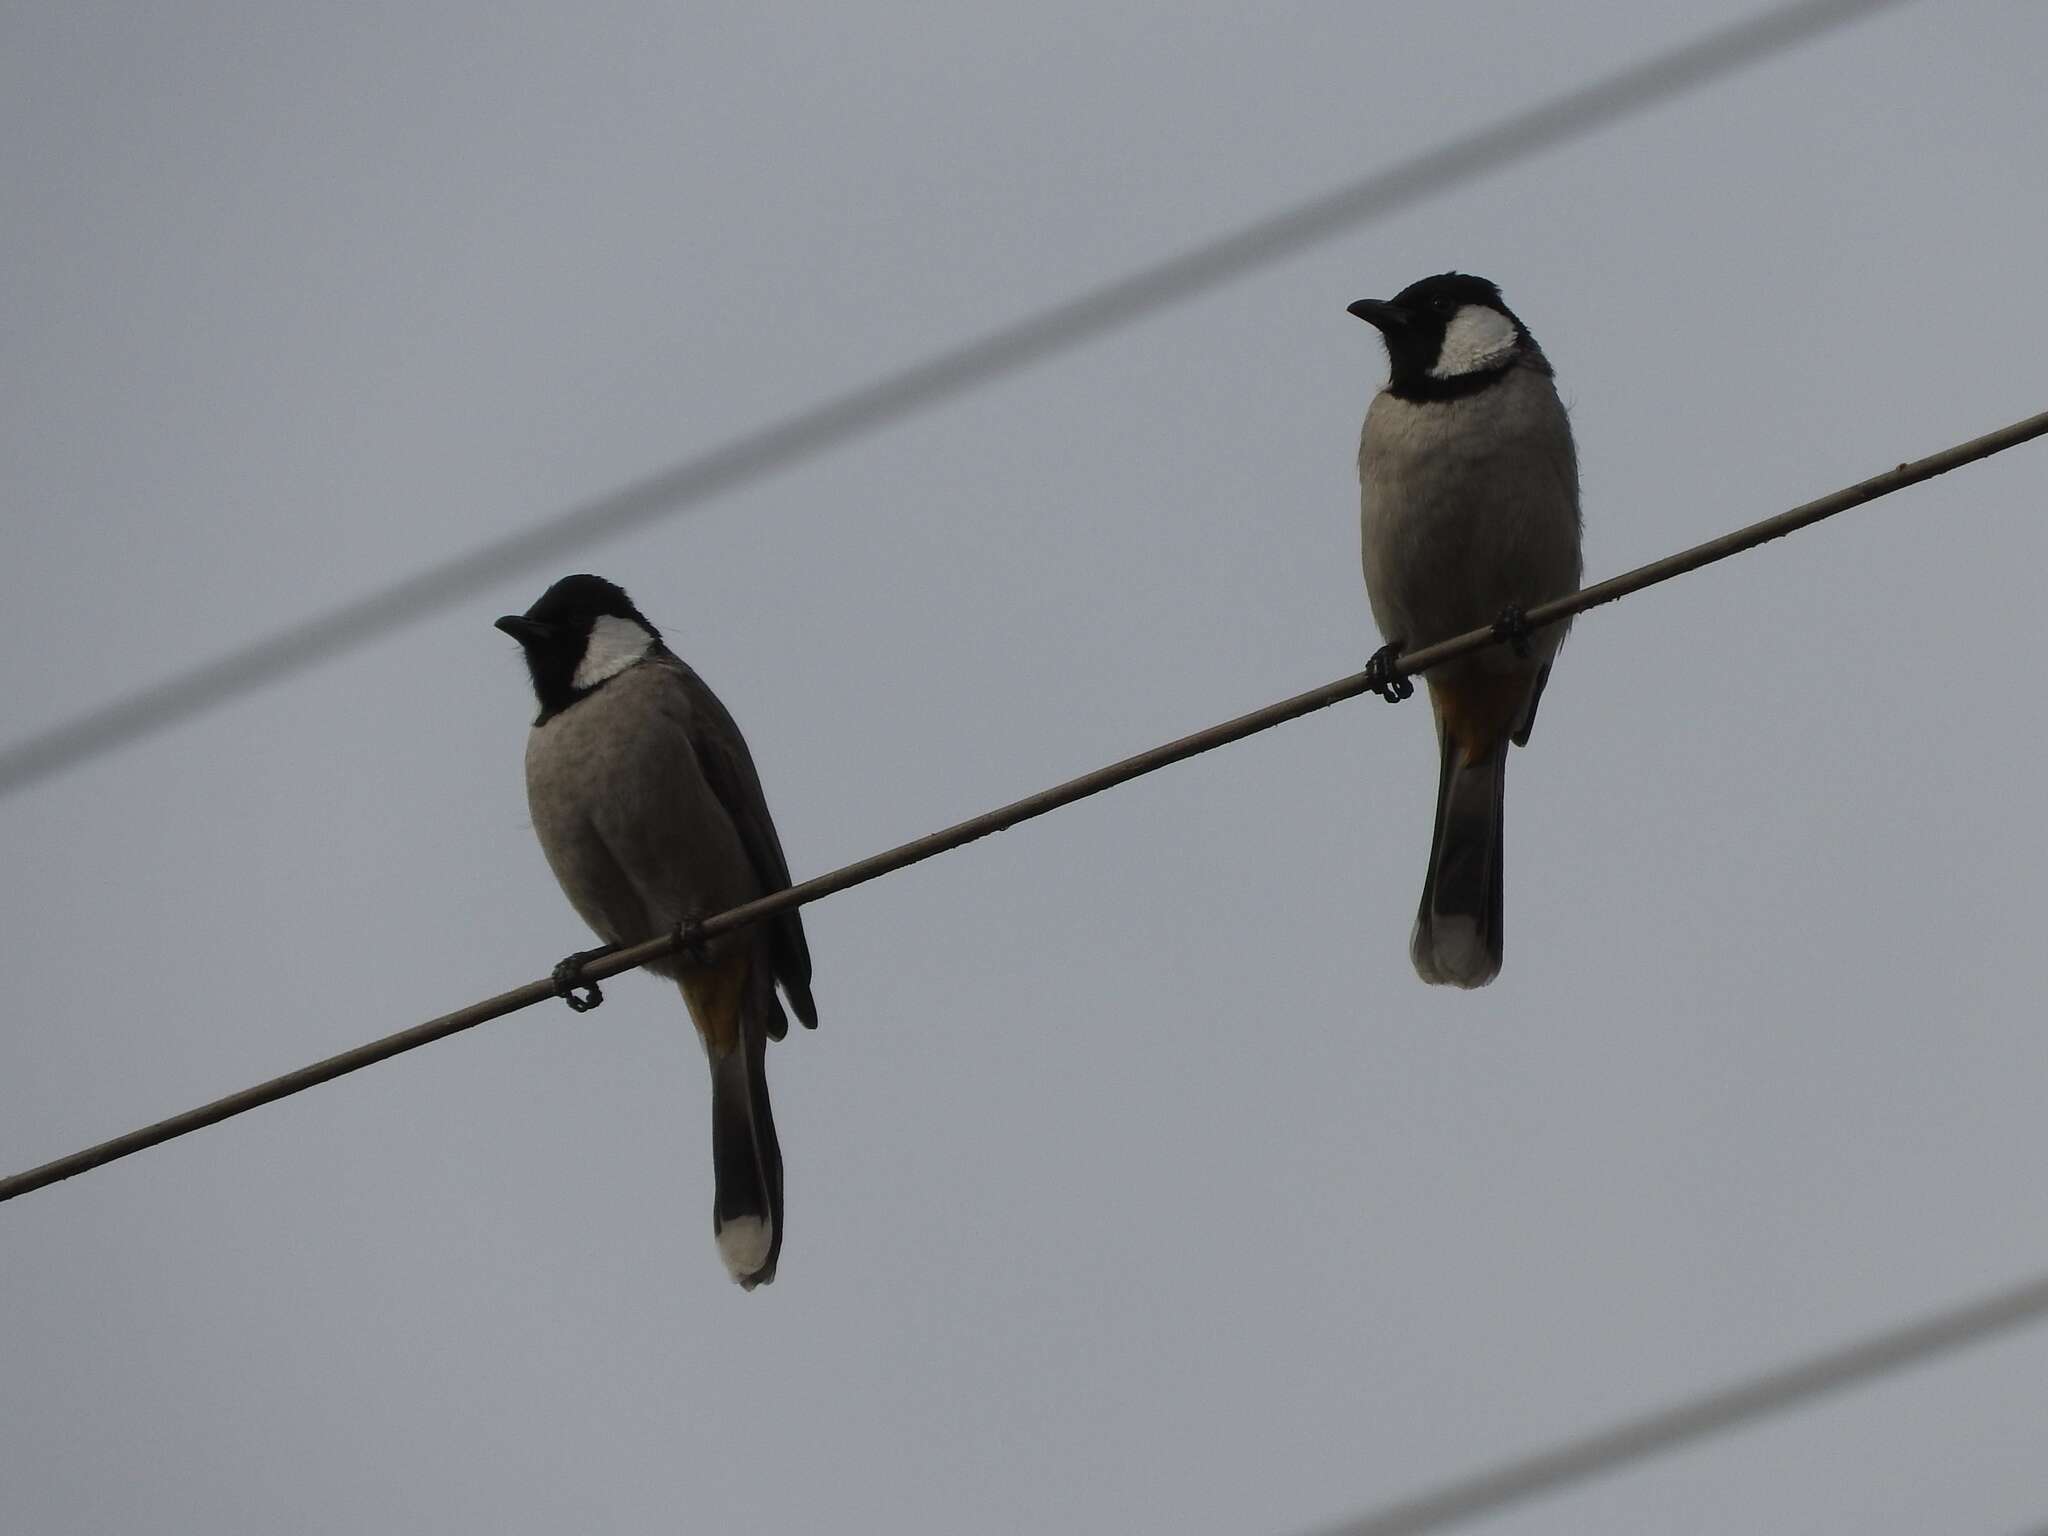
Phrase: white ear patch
(1477, 338)
(614, 645)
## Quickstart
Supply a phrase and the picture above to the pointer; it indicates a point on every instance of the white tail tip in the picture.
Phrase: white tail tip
(743, 1242)
(1453, 952)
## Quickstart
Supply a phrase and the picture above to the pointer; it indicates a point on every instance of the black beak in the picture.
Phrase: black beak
(526, 631)
(1378, 312)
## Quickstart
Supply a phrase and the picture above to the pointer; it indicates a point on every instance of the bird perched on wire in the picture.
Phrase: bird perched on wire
(651, 815)
(1470, 514)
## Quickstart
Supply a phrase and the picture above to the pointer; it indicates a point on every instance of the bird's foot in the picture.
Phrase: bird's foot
(691, 947)
(1512, 630)
(569, 981)
(1382, 678)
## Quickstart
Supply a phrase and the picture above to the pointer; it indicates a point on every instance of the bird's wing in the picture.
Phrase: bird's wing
(728, 768)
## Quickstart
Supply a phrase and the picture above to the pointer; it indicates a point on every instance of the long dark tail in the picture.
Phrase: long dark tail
(1457, 938)
(746, 1212)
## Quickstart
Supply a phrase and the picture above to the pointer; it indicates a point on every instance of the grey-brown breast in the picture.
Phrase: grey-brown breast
(1468, 505)
(626, 814)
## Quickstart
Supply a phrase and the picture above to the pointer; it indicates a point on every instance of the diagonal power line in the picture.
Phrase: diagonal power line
(869, 407)
(1667, 1429)
(1004, 817)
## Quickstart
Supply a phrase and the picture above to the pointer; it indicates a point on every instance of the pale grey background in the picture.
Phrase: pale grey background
(1135, 1182)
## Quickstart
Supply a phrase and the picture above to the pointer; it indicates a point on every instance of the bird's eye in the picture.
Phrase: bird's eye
(1443, 303)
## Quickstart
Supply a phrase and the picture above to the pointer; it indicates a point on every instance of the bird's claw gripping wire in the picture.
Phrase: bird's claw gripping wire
(1512, 630)
(1381, 677)
(690, 943)
(569, 981)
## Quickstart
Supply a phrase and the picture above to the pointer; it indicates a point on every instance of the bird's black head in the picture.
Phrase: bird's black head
(1448, 336)
(583, 631)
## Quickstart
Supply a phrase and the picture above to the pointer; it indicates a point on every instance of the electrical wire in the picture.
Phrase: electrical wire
(1665, 1429)
(920, 849)
(869, 407)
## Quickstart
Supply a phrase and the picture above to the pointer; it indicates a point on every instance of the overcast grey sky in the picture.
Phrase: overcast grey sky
(1135, 1183)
